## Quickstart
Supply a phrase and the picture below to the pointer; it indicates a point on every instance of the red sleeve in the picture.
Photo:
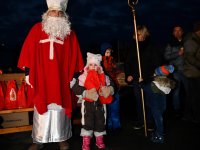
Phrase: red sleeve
(28, 49)
(77, 59)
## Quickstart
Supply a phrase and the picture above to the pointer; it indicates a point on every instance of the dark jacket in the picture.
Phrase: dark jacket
(150, 59)
(192, 56)
(172, 53)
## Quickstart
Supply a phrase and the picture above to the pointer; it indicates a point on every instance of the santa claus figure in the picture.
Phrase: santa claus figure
(50, 56)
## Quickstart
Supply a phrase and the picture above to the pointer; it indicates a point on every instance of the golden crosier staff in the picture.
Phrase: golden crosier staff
(132, 4)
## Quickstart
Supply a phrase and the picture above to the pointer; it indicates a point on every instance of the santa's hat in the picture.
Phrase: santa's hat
(57, 4)
(93, 59)
(164, 70)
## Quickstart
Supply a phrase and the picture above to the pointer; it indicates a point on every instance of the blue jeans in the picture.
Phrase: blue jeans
(176, 93)
(113, 113)
(157, 104)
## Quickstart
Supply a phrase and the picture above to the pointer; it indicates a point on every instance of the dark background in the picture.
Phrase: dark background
(95, 21)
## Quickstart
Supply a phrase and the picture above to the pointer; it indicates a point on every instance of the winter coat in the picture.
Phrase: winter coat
(150, 59)
(192, 56)
(172, 54)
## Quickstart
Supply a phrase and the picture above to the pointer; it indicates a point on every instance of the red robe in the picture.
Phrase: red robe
(50, 78)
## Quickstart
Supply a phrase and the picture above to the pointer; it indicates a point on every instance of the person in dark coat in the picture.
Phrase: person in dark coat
(191, 70)
(150, 59)
(174, 54)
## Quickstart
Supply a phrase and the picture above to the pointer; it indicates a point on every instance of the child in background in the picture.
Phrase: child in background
(95, 90)
(111, 69)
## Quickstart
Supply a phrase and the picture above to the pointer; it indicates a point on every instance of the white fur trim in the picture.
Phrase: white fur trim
(83, 112)
(82, 78)
(166, 90)
(54, 106)
(99, 133)
(86, 132)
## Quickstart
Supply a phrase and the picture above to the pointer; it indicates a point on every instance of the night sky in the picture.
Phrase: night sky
(95, 21)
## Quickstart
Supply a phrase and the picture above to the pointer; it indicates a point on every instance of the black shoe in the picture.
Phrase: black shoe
(138, 126)
(150, 129)
(35, 146)
(196, 121)
(187, 118)
(177, 114)
(64, 145)
(155, 138)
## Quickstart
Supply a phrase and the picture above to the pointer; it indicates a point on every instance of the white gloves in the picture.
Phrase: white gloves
(91, 94)
(106, 91)
(27, 81)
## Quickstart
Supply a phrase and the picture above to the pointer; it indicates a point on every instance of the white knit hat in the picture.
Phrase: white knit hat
(93, 59)
(57, 4)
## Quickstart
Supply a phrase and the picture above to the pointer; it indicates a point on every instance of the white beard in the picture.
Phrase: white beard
(56, 27)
